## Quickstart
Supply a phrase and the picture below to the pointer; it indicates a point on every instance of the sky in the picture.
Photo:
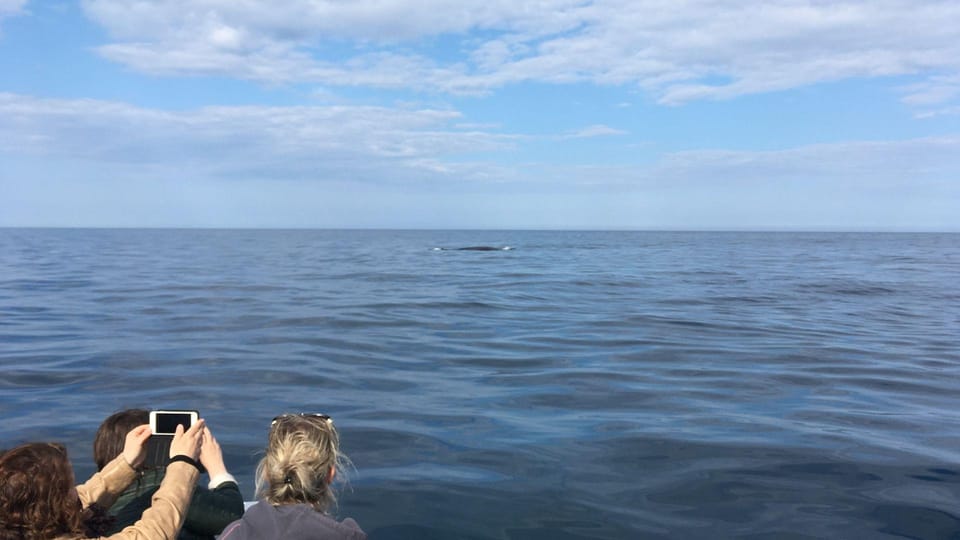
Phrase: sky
(481, 114)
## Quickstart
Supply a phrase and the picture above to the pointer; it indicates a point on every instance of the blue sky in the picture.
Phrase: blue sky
(547, 114)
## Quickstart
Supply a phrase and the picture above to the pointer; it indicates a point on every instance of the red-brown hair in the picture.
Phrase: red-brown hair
(37, 496)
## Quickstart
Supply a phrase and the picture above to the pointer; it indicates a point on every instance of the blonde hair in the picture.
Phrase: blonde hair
(301, 453)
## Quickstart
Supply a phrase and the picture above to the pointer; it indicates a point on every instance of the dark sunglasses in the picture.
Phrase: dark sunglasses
(324, 417)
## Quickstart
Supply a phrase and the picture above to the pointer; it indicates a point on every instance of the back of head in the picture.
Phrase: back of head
(112, 434)
(302, 451)
(37, 496)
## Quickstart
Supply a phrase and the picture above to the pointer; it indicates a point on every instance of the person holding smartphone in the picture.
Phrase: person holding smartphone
(38, 499)
(211, 507)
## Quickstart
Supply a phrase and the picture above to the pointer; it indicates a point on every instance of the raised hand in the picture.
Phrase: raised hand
(134, 450)
(211, 456)
(187, 443)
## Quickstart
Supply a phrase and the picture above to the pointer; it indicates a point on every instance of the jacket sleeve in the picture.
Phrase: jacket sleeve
(104, 487)
(162, 521)
(212, 510)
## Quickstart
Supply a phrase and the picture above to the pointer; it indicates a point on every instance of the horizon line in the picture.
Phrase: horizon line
(495, 229)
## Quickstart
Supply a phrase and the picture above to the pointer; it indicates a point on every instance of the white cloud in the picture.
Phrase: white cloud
(865, 165)
(317, 143)
(943, 111)
(900, 169)
(90, 162)
(382, 144)
(305, 20)
(677, 51)
(11, 8)
(596, 130)
(930, 96)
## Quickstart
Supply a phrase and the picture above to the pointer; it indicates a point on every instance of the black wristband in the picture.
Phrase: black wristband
(185, 459)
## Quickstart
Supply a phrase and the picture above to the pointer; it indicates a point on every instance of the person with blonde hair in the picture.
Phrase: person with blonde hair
(38, 499)
(294, 484)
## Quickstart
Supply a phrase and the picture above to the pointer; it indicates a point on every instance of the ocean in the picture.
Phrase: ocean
(579, 385)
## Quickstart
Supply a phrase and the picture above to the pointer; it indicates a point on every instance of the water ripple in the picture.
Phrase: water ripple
(581, 385)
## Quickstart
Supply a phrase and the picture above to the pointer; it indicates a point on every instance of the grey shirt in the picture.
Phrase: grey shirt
(290, 522)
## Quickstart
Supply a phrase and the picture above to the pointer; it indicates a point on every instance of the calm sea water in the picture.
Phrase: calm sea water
(580, 385)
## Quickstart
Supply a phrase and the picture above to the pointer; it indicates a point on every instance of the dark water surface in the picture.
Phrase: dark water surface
(581, 385)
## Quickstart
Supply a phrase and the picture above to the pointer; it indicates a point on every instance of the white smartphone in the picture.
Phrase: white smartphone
(166, 422)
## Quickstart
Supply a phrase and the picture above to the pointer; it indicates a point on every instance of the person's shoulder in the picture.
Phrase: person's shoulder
(259, 514)
(291, 522)
(302, 521)
(260, 508)
(347, 529)
(356, 533)
(260, 521)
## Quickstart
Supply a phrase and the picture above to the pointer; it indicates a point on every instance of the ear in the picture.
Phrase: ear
(332, 474)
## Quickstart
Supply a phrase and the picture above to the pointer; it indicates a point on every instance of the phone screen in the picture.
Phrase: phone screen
(167, 422)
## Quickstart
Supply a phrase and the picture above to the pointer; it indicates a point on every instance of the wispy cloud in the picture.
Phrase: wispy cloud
(925, 167)
(596, 130)
(340, 165)
(930, 96)
(943, 111)
(11, 8)
(675, 51)
(383, 145)
(863, 164)
(318, 142)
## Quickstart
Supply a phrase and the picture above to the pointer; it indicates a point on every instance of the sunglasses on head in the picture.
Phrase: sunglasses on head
(324, 417)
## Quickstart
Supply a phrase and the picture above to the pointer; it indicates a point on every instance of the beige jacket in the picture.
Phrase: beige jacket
(162, 521)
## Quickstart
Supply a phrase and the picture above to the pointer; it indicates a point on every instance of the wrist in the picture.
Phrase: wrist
(123, 462)
(218, 479)
(186, 459)
(217, 471)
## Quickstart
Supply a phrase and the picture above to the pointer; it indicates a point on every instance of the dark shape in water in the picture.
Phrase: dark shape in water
(476, 248)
